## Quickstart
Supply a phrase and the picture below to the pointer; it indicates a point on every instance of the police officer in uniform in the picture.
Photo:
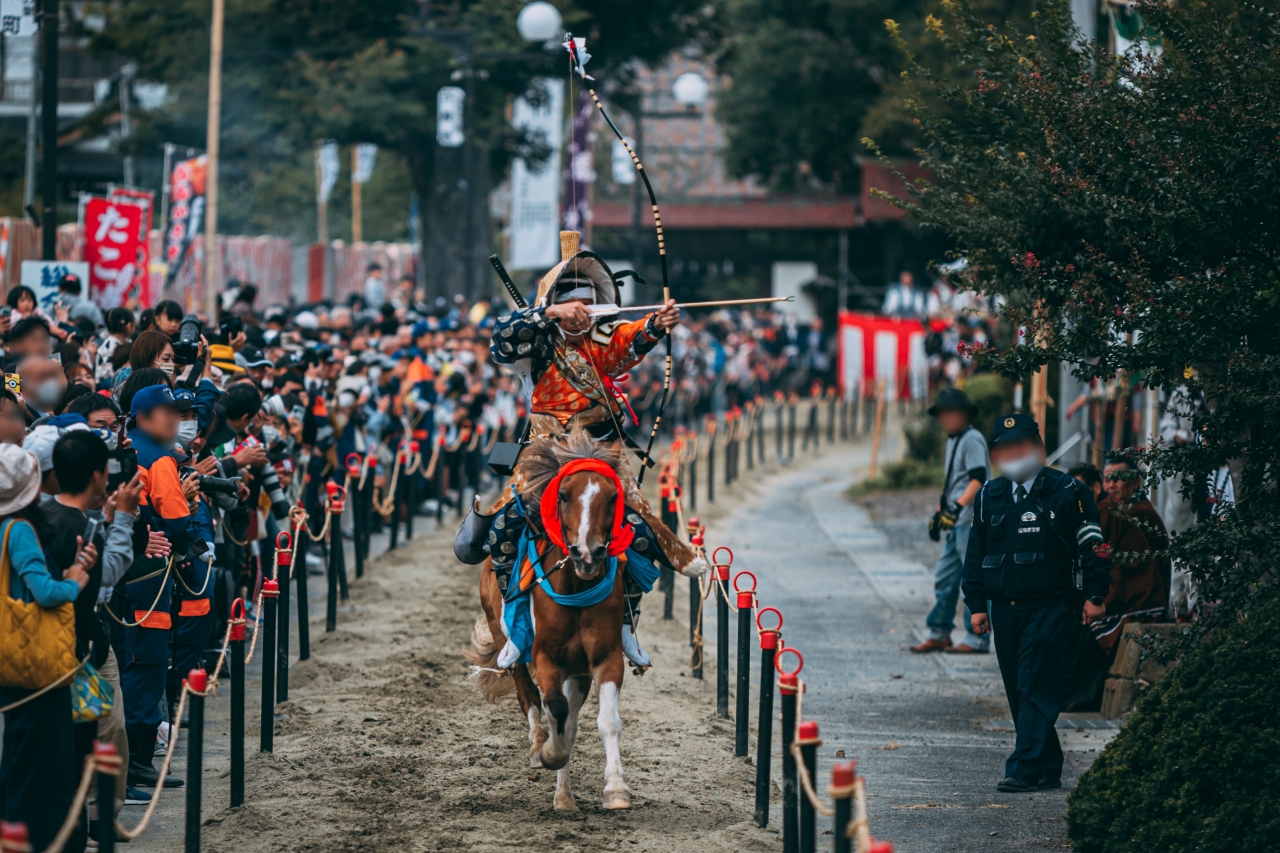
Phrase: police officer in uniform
(1030, 559)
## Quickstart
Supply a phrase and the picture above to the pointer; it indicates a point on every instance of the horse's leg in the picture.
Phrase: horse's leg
(608, 677)
(555, 752)
(575, 690)
(531, 704)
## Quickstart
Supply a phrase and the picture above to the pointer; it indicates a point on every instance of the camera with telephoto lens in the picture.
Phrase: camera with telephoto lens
(212, 485)
(187, 348)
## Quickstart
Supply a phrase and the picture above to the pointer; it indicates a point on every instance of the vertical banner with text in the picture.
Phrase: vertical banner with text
(115, 249)
(535, 192)
(186, 215)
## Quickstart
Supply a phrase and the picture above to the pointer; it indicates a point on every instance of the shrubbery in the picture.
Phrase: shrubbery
(1197, 766)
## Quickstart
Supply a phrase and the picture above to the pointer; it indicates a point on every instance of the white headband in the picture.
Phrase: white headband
(577, 293)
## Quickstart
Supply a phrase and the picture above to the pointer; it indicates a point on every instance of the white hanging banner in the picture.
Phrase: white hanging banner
(366, 156)
(330, 165)
(450, 102)
(18, 18)
(535, 195)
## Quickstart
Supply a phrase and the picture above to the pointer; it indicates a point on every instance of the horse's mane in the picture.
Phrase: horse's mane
(544, 457)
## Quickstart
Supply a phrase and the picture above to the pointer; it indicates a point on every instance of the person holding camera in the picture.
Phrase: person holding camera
(165, 506)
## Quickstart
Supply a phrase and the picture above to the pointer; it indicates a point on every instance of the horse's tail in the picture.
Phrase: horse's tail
(483, 654)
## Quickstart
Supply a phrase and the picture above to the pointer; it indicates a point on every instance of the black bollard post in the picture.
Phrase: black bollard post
(722, 631)
(198, 681)
(438, 481)
(844, 419)
(764, 725)
(109, 769)
(696, 641)
(269, 592)
(410, 493)
(813, 427)
(397, 472)
(777, 427)
(666, 576)
(788, 687)
(842, 790)
(831, 417)
(791, 429)
(760, 428)
(236, 650)
(751, 427)
(300, 537)
(807, 737)
(337, 556)
(354, 467)
(693, 478)
(731, 426)
(711, 461)
(741, 723)
(284, 560)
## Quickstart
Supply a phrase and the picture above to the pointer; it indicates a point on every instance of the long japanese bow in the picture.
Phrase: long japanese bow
(577, 48)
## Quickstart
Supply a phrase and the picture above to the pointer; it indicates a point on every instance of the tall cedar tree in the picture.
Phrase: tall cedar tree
(1128, 210)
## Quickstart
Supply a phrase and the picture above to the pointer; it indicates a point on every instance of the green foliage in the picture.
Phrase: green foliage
(811, 77)
(925, 439)
(1197, 766)
(993, 395)
(900, 476)
(1128, 211)
(299, 71)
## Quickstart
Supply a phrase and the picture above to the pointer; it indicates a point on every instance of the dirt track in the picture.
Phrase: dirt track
(386, 745)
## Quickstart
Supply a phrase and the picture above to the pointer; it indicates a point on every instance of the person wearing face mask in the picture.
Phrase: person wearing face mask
(43, 383)
(13, 418)
(153, 349)
(1033, 552)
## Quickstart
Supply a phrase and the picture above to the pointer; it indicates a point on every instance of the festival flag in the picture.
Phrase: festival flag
(186, 212)
(115, 248)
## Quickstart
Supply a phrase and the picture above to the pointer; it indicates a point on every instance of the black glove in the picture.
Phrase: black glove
(947, 517)
(935, 528)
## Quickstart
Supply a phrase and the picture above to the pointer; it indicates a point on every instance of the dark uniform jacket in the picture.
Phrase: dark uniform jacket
(1030, 550)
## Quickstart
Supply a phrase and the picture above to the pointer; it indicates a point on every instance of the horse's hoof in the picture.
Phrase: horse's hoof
(565, 803)
(617, 800)
(535, 759)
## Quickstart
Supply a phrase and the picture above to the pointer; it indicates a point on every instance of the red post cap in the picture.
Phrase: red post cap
(746, 600)
(722, 573)
(808, 730)
(270, 589)
(880, 847)
(842, 775)
(693, 524)
(104, 749)
(198, 679)
(768, 640)
(14, 838)
(413, 447)
(237, 620)
(789, 682)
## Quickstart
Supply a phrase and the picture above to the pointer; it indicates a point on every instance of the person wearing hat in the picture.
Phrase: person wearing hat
(568, 360)
(1032, 553)
(966, 471)
(223, 357)
(148, 588)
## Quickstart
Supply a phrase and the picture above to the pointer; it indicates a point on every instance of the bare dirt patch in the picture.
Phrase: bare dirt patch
(386, 745)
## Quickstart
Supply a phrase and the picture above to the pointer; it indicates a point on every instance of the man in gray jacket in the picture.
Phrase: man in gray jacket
(967, 465)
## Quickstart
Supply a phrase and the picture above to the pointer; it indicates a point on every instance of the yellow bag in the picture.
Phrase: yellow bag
(37, 644)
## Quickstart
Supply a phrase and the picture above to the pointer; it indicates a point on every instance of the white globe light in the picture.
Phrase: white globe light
(690, 90)
(538, 22)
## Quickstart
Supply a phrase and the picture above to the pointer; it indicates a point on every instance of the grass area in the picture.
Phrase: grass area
(900, 476)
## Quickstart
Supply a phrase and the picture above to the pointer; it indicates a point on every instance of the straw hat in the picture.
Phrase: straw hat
(19, 478)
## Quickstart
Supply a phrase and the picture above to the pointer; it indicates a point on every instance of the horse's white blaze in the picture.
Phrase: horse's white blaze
(584, 523)
(610, 725)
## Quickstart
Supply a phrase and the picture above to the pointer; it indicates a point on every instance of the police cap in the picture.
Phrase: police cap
(1013, 427)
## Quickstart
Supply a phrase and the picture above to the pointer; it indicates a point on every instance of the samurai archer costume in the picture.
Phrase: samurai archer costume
(572, 385)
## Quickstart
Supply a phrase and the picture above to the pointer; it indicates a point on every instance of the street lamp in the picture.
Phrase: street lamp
(690, 90)
(539, 22)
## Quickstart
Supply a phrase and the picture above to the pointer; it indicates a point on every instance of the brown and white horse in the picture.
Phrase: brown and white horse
(573, 646)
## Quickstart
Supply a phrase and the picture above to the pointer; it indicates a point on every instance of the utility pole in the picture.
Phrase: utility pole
(211, 175)
(126, 120)
(842, 273)
(357, 213)
(49, 106)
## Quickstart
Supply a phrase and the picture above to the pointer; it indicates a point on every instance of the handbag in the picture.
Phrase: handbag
(92, 696)
(39, 643)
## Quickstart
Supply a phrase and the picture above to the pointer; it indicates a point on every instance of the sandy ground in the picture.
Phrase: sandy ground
(385, 744)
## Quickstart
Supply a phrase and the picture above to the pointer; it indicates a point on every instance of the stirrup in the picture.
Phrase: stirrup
(631, 648)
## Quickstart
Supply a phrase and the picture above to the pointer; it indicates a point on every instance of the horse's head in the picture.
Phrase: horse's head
(586, 501)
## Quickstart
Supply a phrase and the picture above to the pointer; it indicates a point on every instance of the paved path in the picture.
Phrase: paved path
(925, 729)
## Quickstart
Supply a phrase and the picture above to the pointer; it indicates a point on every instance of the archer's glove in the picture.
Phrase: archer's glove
(947, 517)
(935, 526)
